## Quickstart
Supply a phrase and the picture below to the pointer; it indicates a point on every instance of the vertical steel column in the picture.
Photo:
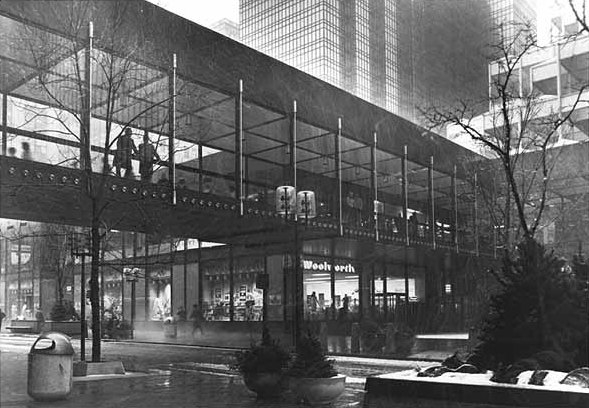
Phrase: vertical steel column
(124, 257)
(200, 169)
(338, 170)
(454, 211)
(297, 281)
(476, 216)
(134, 281)
(432, 209)
(146, 277)
(172, 129)
(5, 124)
(385, 290)
(372, 289)
(231, 289)
(405, 197)
(406, 222)
(374, 186)
(332, 278)
(293, 149)
(18, 270)
(200, 275)
(83, 307)
(559, 88)
(239, 146)
(85, 159)
(172, 261)
(185, 289)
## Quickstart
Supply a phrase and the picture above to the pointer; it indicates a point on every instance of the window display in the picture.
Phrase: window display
(247, 298)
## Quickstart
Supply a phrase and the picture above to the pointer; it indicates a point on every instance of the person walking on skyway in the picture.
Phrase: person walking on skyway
(125, 151)
(147, 157)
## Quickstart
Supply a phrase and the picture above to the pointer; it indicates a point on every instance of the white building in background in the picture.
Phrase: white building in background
(557, 72)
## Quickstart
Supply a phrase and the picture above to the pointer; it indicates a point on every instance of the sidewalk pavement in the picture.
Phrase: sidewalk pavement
(172, 376)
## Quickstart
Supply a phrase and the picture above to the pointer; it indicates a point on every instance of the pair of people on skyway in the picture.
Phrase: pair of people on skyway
(126, 151)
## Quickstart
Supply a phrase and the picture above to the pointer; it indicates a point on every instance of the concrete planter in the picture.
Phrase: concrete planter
(71, 328)
(266, 385)
(170, 330)
(317, 391)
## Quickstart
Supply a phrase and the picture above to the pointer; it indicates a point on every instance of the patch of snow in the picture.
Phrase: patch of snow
(553, 379)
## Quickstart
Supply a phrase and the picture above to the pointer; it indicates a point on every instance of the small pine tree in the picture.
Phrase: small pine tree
(540, 308)
(310, 361)
(268, 356)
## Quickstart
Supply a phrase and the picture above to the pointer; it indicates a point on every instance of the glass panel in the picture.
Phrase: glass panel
(216, 293)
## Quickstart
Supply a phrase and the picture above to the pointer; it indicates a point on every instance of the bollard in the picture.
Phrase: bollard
(355, 346)
(50, 367)
(390, 343)
(323, 335)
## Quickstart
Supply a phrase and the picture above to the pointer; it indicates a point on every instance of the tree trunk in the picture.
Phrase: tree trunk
(94, 287)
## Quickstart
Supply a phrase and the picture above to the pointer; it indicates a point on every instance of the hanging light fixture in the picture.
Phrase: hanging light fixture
(357, 171)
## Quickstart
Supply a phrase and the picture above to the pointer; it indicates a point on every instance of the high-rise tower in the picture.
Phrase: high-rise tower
(399, 55)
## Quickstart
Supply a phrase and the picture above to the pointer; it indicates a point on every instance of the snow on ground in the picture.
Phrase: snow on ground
(552, 380)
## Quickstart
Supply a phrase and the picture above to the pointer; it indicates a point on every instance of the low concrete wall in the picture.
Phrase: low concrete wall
(222, 334)
(388, 391)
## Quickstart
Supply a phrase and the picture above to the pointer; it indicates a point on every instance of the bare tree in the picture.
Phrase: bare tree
(519, 132)
(580, 12)
(81, 76)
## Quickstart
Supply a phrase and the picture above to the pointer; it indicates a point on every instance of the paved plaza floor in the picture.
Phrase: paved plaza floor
(172, 376)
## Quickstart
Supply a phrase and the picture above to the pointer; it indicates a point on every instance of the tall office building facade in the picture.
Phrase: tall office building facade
(510, 16)
(400, 55)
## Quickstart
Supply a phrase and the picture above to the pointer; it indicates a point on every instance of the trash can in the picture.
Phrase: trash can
(50, 367)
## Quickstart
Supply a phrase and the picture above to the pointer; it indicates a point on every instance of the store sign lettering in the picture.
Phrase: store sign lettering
(326, 266)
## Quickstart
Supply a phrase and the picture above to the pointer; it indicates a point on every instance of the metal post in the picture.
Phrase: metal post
(385, 290)
(293, 148)
(405, 198)
(172, 129)
(85, 159)
(406, 222)
(4, 123)
(146, 280)
(432, 210)
(18, 270)
(200, 164)
(374, 187)
(133, 282)
(559, 87)
(338, 169)
(239, 146)
(231, 282)
(83, 309)
(476, 216)
(454, 211)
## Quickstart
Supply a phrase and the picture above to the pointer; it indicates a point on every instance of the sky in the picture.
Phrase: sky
(203, 12)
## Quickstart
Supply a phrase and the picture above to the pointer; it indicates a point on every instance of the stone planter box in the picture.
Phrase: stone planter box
(71, 328)
(388, 389)
(25, 326)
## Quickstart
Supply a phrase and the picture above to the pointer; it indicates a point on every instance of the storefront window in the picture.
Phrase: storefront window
(159, 284)
(216, 292)
(317, 289)
(247, 298)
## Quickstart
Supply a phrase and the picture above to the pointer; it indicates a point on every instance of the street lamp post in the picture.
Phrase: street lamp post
(82, 252)
(300, 204)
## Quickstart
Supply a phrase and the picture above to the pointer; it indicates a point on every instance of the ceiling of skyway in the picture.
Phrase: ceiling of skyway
(205, 108)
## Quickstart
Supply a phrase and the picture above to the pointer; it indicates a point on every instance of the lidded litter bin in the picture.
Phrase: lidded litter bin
(50, 368)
